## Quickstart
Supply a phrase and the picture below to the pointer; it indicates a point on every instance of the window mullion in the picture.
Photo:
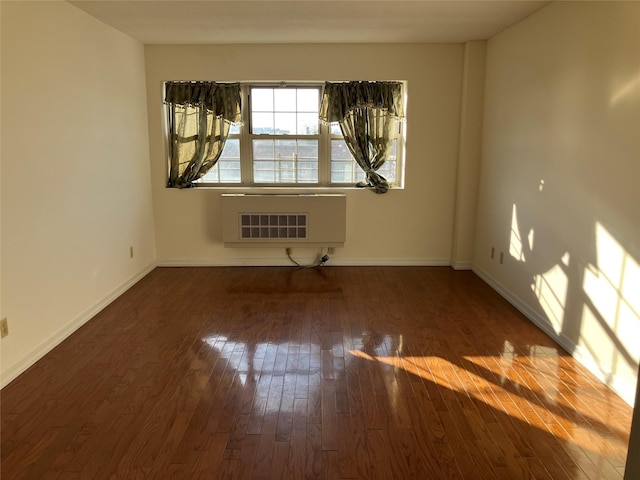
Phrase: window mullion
(324, 156)
(246, 155)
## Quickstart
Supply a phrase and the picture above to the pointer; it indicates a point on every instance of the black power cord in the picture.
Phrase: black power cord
(318, 263)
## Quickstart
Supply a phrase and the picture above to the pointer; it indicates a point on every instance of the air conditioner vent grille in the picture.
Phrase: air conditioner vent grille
(273, 225)
(274, 220)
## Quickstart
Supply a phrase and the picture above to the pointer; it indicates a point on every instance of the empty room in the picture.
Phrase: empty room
(366, 239)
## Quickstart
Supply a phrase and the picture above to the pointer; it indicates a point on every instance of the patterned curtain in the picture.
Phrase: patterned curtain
(367, 113)
(200, 115)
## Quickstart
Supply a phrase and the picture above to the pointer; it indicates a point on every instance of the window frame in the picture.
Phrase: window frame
(324, 137)
(247, 120)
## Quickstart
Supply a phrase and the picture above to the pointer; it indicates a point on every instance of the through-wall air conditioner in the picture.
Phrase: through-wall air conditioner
(284, 220)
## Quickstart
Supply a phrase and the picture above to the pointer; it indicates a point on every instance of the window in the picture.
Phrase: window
(282, 143)
(344, 169)
(285, 134)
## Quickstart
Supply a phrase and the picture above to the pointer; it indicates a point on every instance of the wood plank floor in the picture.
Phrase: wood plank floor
(332, 373)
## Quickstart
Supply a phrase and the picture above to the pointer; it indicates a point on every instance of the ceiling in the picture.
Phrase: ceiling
(308, 21)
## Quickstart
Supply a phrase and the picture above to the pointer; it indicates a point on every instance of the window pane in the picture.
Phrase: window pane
(388, 171)
(234, 130)
(310, 165)
(231, 149)
(285, 149)
(307, 123)
(285, 171)
(263, 150)
(308, 100)
(307, 172)
(346, 172)
(227, 169)
(285, 161)
(341, 173)
(262, 123)
(340, 151)
(335, 129)
(262, 99)
(394, 151)
(263, 172)
(308, 149)
(229, 163)
(210, 177)
(285, 124)
(285, 99)
(284, 111)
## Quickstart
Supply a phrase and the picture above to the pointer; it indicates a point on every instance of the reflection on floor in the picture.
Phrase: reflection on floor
(345, 373)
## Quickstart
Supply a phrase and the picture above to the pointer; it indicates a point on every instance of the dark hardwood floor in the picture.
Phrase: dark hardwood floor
(332, 373)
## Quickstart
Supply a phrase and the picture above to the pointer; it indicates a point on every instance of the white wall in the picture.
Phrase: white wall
(75, 173)
(559, 179)
(470, 141)
(417, 221)
(0, 182)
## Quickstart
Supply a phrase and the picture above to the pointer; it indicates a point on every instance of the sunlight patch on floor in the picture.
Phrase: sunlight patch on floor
(532, 406)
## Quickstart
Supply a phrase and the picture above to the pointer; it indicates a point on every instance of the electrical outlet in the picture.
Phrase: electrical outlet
(501, 258)
(331, 250)
(4, 328)
(493, 252)
(130, 252)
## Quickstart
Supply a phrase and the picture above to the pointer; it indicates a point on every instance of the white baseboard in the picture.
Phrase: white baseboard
(391, 262)
(224, 262)
(462, 265)
(285, 262)
(621, 387)
(41, 350)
